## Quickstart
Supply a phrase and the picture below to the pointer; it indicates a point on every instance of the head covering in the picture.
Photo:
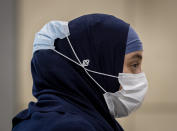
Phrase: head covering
(133, 42)
(63, 87)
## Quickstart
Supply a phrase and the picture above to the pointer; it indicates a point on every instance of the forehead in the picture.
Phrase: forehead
(134, 55)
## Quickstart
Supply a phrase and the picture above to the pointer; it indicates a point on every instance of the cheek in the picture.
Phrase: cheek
(126, 69)
(139, 70)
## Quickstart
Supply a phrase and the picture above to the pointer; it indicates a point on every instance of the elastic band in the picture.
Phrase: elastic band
(100, 73)
(80, 64)
(73, 51)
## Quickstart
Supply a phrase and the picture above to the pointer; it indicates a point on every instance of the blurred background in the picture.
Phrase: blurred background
(154, 20)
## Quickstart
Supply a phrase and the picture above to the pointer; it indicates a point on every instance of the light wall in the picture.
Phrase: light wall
(154, 20)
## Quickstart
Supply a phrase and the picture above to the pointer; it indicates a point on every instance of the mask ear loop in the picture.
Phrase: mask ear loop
(85, 69)
(83, 65)
(100, 73)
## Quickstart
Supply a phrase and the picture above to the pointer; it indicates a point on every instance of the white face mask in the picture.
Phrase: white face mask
(120, 103)
(130, 97)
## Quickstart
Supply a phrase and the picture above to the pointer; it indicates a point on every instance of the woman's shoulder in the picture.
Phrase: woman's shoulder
(55, 121)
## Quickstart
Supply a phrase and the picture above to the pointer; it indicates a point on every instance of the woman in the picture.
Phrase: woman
(77, 76)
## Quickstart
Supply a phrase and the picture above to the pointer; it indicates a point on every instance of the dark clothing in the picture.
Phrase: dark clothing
(67, 99)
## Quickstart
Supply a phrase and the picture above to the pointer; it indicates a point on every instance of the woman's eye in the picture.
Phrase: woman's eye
(135, 65)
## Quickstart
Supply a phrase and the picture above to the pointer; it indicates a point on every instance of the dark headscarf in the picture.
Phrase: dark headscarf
(67, 99)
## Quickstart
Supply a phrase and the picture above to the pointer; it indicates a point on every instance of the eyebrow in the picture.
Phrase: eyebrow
(137, 56)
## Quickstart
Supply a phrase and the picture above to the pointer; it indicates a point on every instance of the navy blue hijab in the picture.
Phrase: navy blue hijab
(67, 99)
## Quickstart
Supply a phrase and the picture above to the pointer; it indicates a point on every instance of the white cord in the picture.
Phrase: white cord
(80, 64)
(101, 73)
(73, 50)
(66, 57)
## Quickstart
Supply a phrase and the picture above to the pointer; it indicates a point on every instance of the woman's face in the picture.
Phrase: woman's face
(132, 63)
